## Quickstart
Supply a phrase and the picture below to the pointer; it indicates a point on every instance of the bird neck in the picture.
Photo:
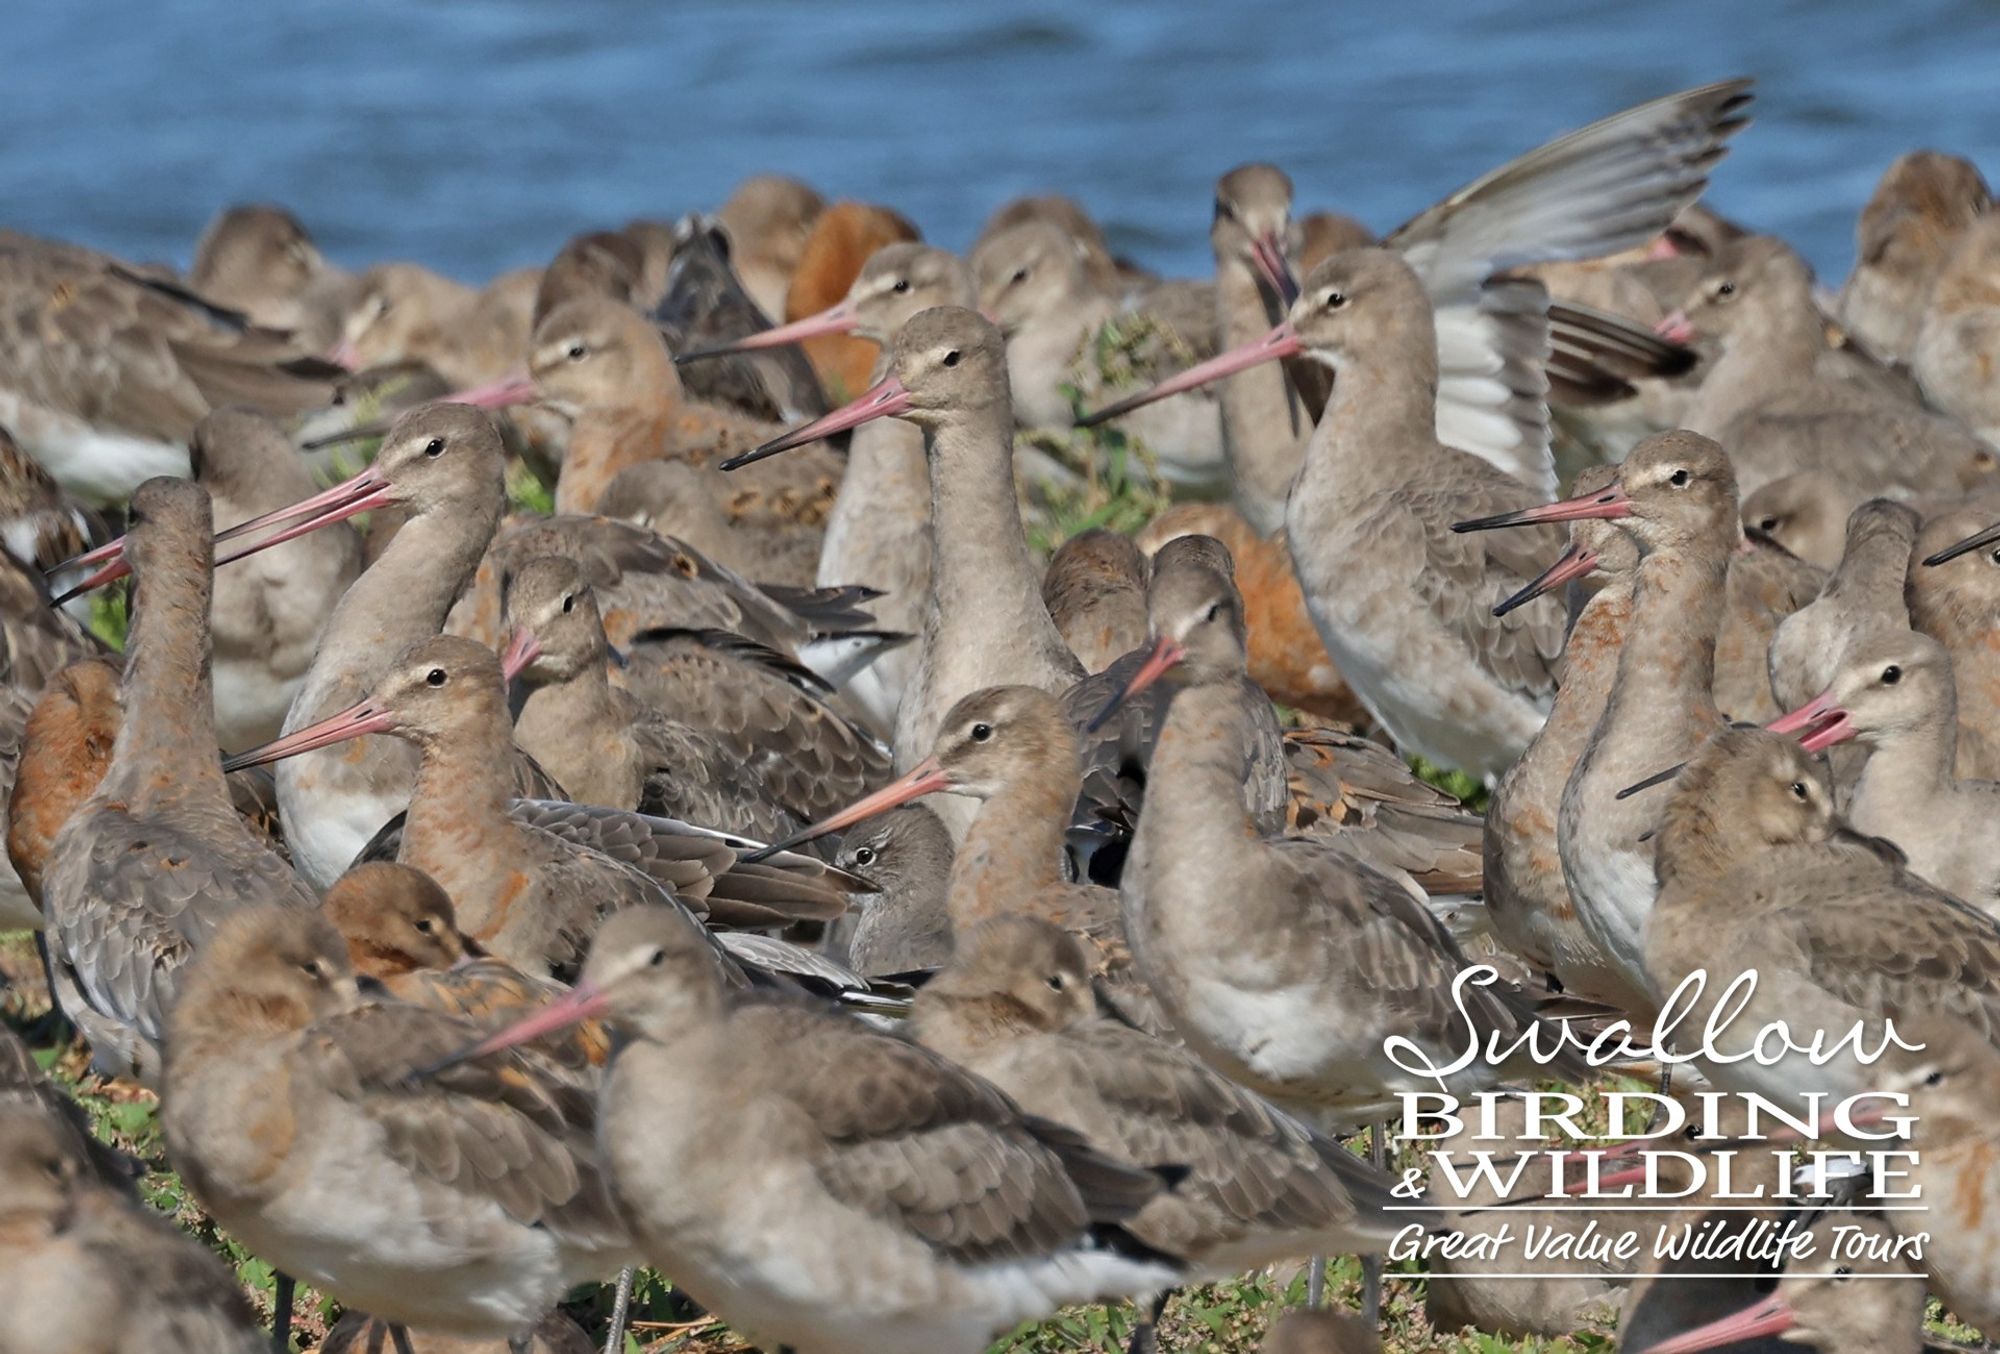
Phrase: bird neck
(1263, 419)
(1589, 665)
(1666, 669)
(1382, 414)
(982, 575)
(405, 595)
(1773, 350)
(1872, 568)
(962, 1022)
(464, 784)
(1915, 761)
(1014, 848)
(1194, 784)
(167, 742)
(584, 699)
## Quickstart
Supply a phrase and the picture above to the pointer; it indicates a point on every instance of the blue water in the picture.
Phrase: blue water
(475, 136)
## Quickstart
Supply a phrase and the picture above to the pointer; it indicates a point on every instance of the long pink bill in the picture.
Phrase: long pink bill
(111, 566)
(521, 652)
(1608, 503)
(1166, 653)
(884, 400)
(1281, 342)
(1766, 1317)
(363, 482)
(1267, 251)
(1676, 328)
(839, 319)
(582, 1002)
(1820, 723)
(364, 717)
(516, 387)
(365, 492)
(1575, 562)
(357, 495)
(925, 778)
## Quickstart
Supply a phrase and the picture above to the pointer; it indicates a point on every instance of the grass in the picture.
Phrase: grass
(108, 616)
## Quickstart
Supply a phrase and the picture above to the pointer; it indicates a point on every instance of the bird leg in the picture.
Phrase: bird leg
(1371, 1265)
(621, 1308)
(1316, 1282)
(281, 1314)
(1146, 1335)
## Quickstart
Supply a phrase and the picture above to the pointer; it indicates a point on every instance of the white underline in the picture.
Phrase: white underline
(1555, 1205)
(1573, 1274)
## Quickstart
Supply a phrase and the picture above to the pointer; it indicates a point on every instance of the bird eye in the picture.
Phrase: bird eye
(1334, 300)
(1055, 982)
(1725, 289)
(577, 352)
(426, 925)
(1996, 557)
(1020, 275)
(1768, 524)
(1935, 1079)
(569, 604)
(657, 958)
(1214, 610)
(311, 968)
(1799, 790)
(981, 732)
(1891, 675)
(1679, 479)
(865, 856)
(1841, 1273)
(434, 447)
(435, 677)
(951, 358)
(901, 285)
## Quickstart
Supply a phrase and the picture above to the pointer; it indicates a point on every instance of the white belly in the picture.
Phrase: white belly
(328, 813)
(98, 465)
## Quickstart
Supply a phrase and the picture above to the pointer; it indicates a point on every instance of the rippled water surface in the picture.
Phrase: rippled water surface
(474, 136)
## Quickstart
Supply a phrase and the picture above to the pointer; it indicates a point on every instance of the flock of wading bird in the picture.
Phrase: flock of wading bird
(766, 869)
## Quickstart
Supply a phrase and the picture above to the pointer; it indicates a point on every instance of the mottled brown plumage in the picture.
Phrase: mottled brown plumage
(1016, 1006)
(1326, 957)
(605, 366)
(531, 881)
(146, 869)
(467, 1200)
(599, 741)
(1767, 401)
(922, 1212)
(400, 930)
(1756, 871)
(108, 371)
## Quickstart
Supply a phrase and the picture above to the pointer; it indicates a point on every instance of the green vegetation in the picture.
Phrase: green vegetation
(108, 616)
